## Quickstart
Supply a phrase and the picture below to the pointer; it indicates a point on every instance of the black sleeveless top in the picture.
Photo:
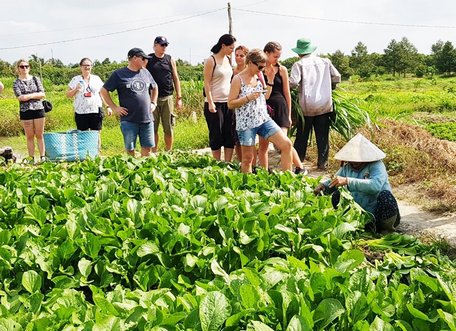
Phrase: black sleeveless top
(278, 102)
(162, 72)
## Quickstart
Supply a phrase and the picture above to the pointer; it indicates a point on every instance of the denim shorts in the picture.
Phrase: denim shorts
(131, 131)
(265, 130)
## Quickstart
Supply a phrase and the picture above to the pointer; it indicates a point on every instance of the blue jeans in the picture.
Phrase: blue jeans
(265, 130)
(131, 131)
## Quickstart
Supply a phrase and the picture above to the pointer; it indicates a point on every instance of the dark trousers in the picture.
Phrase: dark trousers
(320, 124)
(220, 125)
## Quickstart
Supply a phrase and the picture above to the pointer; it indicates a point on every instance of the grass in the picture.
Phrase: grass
(402, 98)
(188, 135)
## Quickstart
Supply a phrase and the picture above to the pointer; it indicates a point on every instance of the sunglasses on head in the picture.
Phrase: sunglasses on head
(24, 66)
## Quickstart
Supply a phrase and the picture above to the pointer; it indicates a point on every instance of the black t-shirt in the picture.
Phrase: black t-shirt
(133, 88)
(162, 71)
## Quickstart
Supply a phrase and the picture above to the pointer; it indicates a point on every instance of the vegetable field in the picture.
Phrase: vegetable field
(182, 242)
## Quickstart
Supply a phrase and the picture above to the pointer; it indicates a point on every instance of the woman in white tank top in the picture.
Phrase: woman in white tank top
(217, 77)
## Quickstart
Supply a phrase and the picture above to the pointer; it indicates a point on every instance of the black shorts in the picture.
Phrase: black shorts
(31, 114)
(92, 121)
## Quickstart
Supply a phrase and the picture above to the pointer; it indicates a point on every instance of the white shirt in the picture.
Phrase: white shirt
(84, 102)
(314, 76)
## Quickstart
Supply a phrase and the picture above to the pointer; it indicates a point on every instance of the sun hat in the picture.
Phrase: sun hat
(359, 149)
(137, 52)
(161, 40)
(304, 46)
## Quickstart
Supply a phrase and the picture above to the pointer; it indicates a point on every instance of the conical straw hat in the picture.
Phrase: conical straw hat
(359, 149)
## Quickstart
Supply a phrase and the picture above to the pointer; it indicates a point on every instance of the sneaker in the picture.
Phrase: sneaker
(301, 171)
(42, 159)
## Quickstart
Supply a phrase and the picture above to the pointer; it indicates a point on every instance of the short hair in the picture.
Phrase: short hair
(255, 56)
(18, 63)
(84, 59)
(244, 49)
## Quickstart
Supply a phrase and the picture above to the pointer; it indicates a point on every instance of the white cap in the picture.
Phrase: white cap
(359, 149)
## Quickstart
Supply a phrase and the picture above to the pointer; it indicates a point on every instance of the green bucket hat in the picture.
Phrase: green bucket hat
(304, 46)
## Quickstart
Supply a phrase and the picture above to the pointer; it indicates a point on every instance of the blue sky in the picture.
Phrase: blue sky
(102, 28)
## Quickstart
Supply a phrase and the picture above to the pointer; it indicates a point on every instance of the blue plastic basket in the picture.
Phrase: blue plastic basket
(72, 145)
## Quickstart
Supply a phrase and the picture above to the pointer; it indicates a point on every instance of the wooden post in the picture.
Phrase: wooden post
(230, 21)
(230, 26)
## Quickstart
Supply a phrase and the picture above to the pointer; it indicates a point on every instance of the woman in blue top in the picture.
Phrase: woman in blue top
(364, 174)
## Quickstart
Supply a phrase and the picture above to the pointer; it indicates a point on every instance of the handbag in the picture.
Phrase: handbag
(47, 105)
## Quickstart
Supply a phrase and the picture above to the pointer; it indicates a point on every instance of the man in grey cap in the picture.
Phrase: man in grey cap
(138, 93)
(163, 69)
(316, 77)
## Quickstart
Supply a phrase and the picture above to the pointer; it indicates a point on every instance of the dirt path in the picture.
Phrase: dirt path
(414, 221)
(421, 223)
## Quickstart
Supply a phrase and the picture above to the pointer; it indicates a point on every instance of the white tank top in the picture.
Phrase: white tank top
(221, 81)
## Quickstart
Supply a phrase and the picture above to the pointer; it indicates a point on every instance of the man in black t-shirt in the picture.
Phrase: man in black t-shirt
(138, 93)
(163, 69)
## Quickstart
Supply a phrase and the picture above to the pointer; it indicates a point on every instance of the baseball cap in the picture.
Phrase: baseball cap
(161, 40)
(137, 52)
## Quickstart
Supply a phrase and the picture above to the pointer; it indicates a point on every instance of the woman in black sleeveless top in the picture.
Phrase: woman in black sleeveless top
(279, 102)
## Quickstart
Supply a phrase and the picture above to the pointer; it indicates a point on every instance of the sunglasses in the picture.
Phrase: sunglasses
(86, 65)
(24, 66)
(260, 67)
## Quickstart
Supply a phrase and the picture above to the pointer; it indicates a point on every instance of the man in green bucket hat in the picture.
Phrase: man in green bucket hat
(316, 77)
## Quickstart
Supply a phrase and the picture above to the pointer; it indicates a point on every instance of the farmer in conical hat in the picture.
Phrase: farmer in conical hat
(364, 174)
